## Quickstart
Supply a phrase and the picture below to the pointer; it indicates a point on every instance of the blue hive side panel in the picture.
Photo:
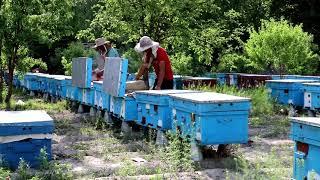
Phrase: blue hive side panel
(28, 149)
(129, 109)
(306, 162)
(82, 72)
(115, 76)
(211, 129)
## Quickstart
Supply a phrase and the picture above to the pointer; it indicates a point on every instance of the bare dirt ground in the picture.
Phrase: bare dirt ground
(106, 154)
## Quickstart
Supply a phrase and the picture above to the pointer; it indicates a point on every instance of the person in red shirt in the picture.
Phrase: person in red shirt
(156, 56)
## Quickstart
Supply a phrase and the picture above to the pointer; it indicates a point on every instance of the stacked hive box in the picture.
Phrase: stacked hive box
(288, 91)
(211, 118)
(23, 134)
(101, 99)
(114, 83)
(153, 108)
(81, 79)
(305, 131)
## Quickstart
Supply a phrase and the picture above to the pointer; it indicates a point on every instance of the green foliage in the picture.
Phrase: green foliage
(178, 154)
(52, 170)
(23, 170)
(182, 64)
(134, 59)
(194, 39)
(281, 46)
(43, 159)
(75, 49)
(261, 103)
(234, 62)
(4, 173)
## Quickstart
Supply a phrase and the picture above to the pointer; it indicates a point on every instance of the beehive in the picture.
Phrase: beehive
(23, 134)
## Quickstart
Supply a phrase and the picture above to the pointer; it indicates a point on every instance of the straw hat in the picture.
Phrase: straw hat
(145, 43)
(100, 42)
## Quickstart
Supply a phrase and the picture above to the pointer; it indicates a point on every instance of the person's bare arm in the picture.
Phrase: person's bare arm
(162, 69)
(141, 71)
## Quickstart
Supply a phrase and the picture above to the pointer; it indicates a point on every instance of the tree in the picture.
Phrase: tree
(281, 47)
(24, 21)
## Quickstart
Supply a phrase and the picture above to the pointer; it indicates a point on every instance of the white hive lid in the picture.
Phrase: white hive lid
(209, 97)
(8, 117)
(313, 121)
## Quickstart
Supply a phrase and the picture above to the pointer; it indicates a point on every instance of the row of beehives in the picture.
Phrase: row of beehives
(297, 93)
(207, 118)
(302, 92)
(194, 112)
(203, 117)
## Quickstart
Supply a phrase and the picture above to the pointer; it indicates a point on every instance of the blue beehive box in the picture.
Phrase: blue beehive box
(23, 134)
(71, 91)
(153, 108)
(305, 131)
(60, 82)
(288, 91)
(101, 99)
(312, 96)
(124, 108)
(86, 96)
(52, 87)
(44, 83)
(227, 78)
(211, 118)
(30, 82)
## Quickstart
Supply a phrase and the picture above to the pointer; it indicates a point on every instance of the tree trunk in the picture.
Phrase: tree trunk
(1, 75)
(11, 66)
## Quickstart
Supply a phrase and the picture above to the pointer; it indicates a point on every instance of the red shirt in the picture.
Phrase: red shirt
(162, 56)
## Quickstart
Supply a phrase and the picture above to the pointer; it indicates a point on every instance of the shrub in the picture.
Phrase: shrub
(281, 46)
(75, 49)
(234, 63)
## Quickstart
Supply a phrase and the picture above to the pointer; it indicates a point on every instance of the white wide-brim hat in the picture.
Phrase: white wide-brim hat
(144, 44)
(100, 42)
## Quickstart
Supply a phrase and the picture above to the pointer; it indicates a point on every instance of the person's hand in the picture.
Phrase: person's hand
(157, 88)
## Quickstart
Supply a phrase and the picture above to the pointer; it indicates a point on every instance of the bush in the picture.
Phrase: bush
(281, 47)
(234, 63)
(184, 64)
(75, 49)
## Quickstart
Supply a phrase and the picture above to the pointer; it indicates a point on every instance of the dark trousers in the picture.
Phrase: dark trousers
(166, 84)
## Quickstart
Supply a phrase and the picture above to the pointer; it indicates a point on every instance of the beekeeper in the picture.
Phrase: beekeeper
(155, 55)
(105, 49)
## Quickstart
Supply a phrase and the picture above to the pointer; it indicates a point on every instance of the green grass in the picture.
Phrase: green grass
(33, 103)
(268, 166)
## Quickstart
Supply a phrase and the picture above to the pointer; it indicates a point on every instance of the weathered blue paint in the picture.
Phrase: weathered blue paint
(124, 108)
(23, 134)
(306, 164)
(101, 98)
(311, 96)
(153, 108)
(30, 82)
(86, 96)
(210, 118)
(287, 91)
